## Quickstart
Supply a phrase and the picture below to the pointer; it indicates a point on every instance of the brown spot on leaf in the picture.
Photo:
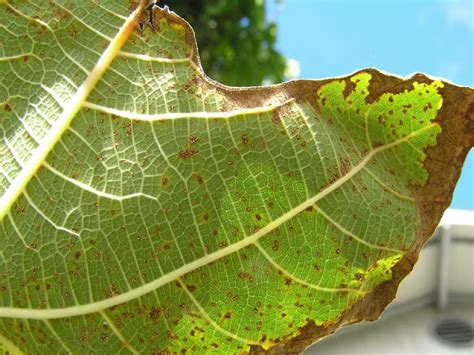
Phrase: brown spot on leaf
(187, 153)
(276, 117)
(345, 166)
(154, 314)
(276, 245)
(349, 87)
(199, 179)
(333, 179)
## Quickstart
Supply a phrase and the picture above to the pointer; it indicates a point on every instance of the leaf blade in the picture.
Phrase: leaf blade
(177, 178)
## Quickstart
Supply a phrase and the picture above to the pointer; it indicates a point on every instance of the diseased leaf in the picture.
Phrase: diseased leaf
(146, 208)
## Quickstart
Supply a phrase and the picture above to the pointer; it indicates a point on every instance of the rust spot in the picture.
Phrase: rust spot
(7, 108)
(193, 139)
(309, 209)
(345, 166)
(258, 217)
(154, 314)
(276, 245)
(18, 209)
(187, 153)
(164, 181)
(275, 117)
(245, 139)
(171, 336)
(199, 179)
(228, 315)
(333, 179)
(206, 216)
(77, 255)
(243, 275)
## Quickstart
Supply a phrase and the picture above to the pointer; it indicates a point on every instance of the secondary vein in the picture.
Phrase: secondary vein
(70, 110)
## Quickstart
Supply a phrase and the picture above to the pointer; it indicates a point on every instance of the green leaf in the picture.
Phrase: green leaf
(145, 208)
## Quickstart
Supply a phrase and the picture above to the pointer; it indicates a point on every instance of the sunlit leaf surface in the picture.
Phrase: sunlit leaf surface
(145, 208)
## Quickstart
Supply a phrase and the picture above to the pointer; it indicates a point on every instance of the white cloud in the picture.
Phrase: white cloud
(461, 12)
(293, 69)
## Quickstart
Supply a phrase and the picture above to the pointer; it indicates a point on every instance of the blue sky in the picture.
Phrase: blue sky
(336, 37)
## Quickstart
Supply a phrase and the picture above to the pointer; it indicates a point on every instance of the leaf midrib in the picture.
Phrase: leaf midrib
(63, 122)
(198, 263)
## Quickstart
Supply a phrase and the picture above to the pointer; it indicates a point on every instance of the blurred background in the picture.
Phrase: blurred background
(254, 42)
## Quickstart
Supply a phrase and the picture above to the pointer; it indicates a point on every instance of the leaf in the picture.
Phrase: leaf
(146, 208)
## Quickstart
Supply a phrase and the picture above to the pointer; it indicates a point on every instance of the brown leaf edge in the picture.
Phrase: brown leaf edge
(444, 164)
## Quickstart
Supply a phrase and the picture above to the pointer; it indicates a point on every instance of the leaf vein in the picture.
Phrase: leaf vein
(173, 275)
(301, 281)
